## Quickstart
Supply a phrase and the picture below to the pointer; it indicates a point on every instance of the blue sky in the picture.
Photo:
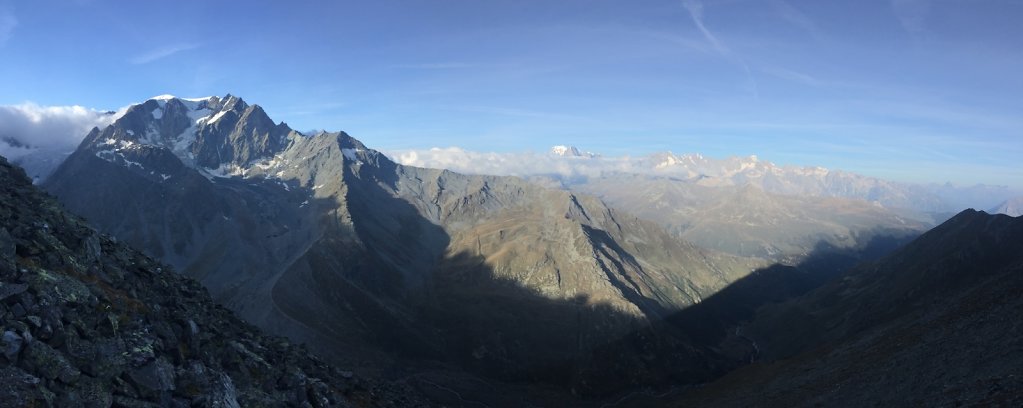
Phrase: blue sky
(914, 90)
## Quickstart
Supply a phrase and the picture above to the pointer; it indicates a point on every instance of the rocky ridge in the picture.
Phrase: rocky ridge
(86, 321)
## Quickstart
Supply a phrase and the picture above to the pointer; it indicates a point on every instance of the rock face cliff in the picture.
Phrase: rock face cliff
(86, 321)
(323, 239)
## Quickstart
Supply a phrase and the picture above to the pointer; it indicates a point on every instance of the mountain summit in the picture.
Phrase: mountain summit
(570, 151)
(209, 134)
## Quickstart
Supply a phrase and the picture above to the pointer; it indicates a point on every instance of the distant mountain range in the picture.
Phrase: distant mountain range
(740, 205)
(748, 221)
(711, 172)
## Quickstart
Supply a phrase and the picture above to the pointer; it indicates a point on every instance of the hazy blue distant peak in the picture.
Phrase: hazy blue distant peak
(1012, 207)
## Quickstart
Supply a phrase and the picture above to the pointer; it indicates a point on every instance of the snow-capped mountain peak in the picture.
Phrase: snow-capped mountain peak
(166, 97)
(562, 150)
(571, 151)
(205, 133)
(666, 160)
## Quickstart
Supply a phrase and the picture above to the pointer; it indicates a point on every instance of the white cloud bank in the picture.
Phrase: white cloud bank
(533, 163)
(710, 172)
(28, 128)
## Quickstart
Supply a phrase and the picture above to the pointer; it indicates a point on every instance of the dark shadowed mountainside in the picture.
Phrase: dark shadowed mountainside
(934, 324)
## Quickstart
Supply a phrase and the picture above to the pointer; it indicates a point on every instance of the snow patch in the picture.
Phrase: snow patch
(669, 161)
(350, 154)
(218, 116)
(266, 165)
(226, 170)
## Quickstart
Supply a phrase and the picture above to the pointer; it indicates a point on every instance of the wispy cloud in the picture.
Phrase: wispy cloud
(8, 22)
(434, 65)
(516, 112)
(695, 9)
(911, 14)
(162, 52)
(791, 14)
(791, 75)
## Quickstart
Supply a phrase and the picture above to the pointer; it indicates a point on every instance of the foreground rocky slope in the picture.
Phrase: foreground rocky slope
(934, 324)
(85, 321)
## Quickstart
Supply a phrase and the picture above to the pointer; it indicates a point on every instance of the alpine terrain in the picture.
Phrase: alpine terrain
(370, 262)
